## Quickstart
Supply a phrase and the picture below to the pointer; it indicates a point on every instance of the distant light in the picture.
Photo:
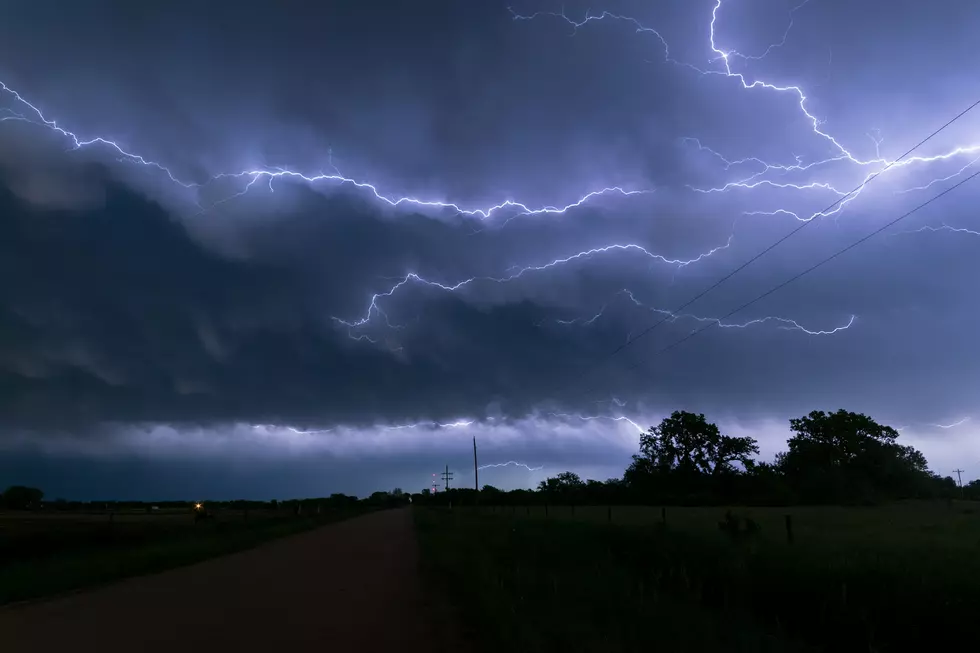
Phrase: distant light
(197, 505)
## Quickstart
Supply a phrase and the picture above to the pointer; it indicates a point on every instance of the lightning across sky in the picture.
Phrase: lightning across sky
(329, 248)
(721, 65)
(375, 310)
(721, 60)
(782, 323)
(941, 228)
(785, 186)
(30, 113)
(511, 463)
(958, 422)
(589, 418)
(724, 62)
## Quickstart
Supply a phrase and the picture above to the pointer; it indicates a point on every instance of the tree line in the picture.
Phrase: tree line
(837, 457)
(20, 497)
(831, 458)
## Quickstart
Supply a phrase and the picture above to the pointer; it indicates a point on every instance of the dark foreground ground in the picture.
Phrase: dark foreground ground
(49, 553)
(352, 585)
(883, 579)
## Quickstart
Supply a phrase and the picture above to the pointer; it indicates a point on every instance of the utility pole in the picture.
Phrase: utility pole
(447, 476)
(476, 469)
(959, 478)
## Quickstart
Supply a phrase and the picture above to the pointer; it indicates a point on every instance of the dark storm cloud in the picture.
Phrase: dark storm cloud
(117, 315)
(126, 299)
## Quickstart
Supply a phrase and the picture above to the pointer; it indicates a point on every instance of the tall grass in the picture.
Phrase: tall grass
(537, 585)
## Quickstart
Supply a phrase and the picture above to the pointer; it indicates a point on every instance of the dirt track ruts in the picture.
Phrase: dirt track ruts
(349, 586)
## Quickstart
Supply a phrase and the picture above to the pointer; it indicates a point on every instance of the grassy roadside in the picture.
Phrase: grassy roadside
(536, 585)
(26, 578)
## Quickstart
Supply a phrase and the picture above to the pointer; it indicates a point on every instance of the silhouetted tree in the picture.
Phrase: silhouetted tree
(839, 457)
(848, 457)
(971, 490)
(687, 458)
(688, 442)
(566, 487)
(563, 482)
(20, 497)
(491, 495)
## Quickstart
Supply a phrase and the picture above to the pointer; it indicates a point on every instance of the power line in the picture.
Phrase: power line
(812, 267)
(778, 242)
(792, 233)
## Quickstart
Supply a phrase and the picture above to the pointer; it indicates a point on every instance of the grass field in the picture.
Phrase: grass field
(901, 577)
(48, 553)
(918, 524)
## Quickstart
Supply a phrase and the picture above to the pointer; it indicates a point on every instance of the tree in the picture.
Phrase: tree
(20, 497)
(846, 456)
(687, 442)
(492, 494)
(687, 459)
(839, 438)
(563, 483)
(971, 490)
(565, 487)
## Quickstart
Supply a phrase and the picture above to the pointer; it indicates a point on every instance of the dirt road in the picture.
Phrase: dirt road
(350, 586)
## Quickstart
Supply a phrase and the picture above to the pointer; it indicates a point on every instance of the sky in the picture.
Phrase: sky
(267, 252)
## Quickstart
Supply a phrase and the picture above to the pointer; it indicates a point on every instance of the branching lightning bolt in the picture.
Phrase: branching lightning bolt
(953, 425)
(397, 427)
(783, 322)
(759, 173)
(412, 277)
(942, 227)
(588, 418)
(511, 463)
(429, 424)
(291, 429)
(32, 114)
(722, 58)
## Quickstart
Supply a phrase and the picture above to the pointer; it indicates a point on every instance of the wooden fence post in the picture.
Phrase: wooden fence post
(546, 510)
(789, 529)
(609, 514)
(663, 515)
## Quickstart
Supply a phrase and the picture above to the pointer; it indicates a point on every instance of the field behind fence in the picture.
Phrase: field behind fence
(596, 578)
(908, 524)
